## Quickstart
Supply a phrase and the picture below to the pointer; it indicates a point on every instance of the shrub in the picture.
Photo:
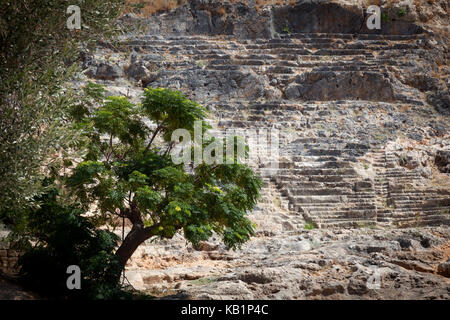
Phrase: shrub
(401, 12)
(64, 237)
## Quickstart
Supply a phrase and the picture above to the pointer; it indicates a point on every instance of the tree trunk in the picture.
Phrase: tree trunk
(132, 241)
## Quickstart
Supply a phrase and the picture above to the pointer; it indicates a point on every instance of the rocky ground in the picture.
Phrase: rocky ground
(10, 290)
(307, 264)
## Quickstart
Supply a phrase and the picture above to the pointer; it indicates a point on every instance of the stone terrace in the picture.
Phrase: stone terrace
(339, 103)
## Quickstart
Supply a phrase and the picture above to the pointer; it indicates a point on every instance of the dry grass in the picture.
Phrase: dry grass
(404, 108)
(221, 11)
(149, 7)
(374, 2)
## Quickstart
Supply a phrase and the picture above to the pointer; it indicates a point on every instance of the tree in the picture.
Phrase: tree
(38, 55)
(127, 172)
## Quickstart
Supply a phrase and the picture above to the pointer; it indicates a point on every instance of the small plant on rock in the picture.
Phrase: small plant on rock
(309, 226)
(401, 12)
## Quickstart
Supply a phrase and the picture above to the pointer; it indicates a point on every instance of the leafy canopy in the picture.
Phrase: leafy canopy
(38, 55)
(127, 171)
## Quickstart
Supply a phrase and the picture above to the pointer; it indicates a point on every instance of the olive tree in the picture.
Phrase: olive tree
(38, 56)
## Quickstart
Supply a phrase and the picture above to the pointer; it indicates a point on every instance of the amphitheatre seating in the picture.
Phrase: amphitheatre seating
(321, 139)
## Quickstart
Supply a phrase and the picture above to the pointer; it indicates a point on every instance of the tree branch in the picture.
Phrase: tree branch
(153, 138)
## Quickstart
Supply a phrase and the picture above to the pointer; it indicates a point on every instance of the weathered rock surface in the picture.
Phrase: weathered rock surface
(245, 19)
(314, 264)
(444, 268)
(363, 119)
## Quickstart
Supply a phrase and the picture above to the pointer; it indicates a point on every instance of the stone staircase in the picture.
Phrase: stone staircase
(334, 99)
(381, 185)
(400, 198)
(328, 192)
(281, 60)
(273, 215)
(414, 204)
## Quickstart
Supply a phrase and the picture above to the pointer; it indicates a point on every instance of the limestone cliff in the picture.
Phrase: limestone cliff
(364, 145)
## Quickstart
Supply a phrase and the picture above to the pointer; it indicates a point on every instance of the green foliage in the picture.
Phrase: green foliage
(34, 28)
(63, 237)
(402, 12)
(286, 29)
(128, 172)
(204, 281)
(384, 17)
(171, 110)
(137, 6)
(310, 226)
(38, 56)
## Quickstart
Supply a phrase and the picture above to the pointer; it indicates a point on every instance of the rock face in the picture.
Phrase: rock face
(315, 264)
(244, 19)
(363, 130)
(444, 268)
